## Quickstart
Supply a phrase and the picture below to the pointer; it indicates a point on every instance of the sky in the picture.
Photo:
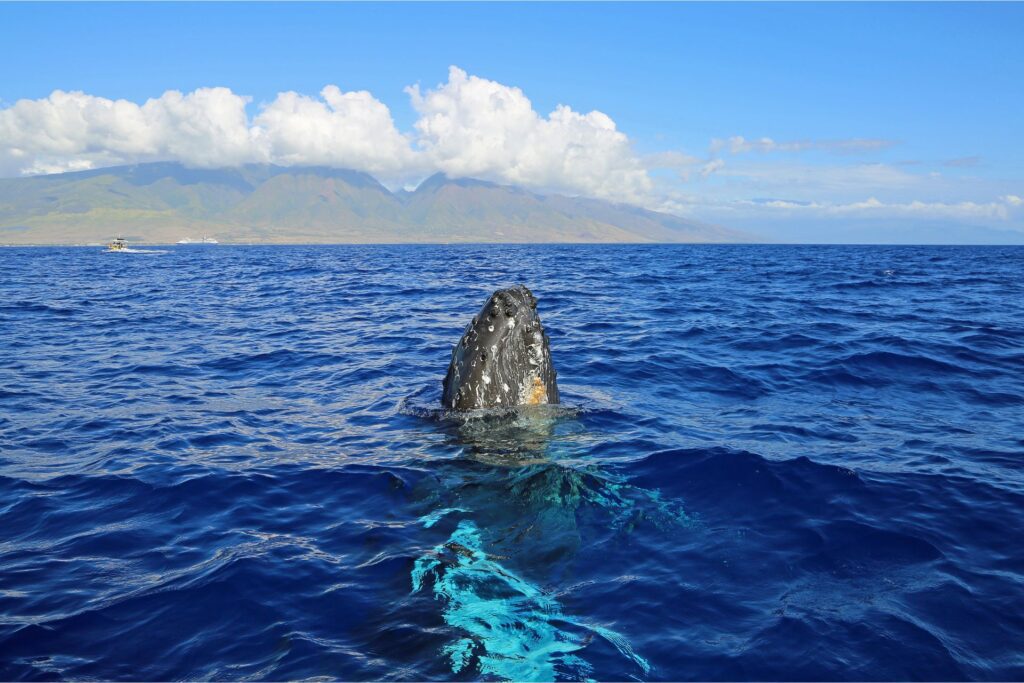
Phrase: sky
(812, 122)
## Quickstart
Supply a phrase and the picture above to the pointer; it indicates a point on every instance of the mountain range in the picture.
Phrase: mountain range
(164, 202)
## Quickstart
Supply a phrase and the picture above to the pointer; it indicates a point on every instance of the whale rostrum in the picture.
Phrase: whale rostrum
(504, 357)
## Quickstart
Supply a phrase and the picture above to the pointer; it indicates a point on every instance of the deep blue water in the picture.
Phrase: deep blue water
(771, 463)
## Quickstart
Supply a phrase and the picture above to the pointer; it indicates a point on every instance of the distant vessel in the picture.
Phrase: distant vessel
(205, 240)
(118, 244)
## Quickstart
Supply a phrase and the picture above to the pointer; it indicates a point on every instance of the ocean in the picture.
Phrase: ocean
(770, 462)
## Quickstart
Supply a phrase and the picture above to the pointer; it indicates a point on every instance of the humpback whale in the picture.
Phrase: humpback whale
(504, 357)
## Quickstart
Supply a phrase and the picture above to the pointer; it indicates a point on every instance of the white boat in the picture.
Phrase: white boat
(120, 246)
(205, 240)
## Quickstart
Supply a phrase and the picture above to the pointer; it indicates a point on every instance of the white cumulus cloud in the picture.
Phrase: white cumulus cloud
(207, 127)
(475, 127)
(341, 129)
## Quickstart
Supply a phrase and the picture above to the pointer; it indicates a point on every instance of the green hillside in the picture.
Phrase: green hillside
(165, 202)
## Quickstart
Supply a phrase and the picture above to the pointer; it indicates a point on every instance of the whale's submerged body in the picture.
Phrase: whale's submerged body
(504, 357)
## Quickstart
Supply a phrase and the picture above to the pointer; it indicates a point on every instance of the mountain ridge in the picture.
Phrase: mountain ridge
(162, 202)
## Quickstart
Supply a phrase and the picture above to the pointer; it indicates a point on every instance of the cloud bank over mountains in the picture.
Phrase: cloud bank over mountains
(479, 128)
(467, 127)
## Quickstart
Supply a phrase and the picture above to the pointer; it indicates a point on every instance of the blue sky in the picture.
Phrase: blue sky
(894, 114)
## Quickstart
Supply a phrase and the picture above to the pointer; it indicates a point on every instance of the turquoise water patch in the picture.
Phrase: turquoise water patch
(436, 516)
(510, 627)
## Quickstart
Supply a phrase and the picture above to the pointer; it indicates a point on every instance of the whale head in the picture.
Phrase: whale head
(503, 359)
